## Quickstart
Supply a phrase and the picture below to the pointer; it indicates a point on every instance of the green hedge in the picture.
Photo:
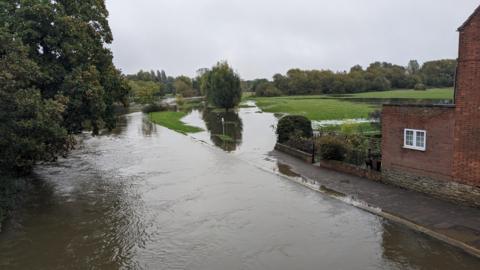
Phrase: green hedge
(293, 125)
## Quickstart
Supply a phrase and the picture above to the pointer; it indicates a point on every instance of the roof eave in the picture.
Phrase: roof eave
(465, 24)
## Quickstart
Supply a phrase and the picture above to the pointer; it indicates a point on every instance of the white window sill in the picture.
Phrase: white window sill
(423, 149)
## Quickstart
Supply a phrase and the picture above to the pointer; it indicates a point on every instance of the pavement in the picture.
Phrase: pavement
(454, 224)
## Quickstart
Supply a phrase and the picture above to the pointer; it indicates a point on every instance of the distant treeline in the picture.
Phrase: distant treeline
(148, 85)
(379, 76)
(155, 76)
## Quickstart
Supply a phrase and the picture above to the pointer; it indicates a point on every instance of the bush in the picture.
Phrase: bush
(332, 148)
(179, 100)
(420, 87)
(154, 107)
(293, 124)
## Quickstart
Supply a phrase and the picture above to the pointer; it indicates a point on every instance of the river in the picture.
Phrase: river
(145, 197)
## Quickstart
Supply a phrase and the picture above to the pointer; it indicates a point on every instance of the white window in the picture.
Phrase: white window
(415, 139)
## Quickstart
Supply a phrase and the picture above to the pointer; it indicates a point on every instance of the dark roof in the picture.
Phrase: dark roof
(475, 13)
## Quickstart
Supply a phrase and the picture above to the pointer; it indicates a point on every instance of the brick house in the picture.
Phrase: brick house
(435, 149)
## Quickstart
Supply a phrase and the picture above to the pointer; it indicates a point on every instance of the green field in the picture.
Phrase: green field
(315, 109)
(172, 120)
(323, 107)
(438, 93)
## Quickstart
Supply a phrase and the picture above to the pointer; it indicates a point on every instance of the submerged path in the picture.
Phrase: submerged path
(145, 197)
(455, 224)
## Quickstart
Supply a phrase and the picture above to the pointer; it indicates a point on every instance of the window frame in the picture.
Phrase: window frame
(414, 141)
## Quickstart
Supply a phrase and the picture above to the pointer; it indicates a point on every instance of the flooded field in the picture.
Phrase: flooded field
(145, 197)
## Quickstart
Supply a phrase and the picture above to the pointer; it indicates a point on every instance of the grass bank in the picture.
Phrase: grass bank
(172, 120)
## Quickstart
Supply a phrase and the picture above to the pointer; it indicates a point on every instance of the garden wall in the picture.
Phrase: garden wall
(351, 169)
(307, 157)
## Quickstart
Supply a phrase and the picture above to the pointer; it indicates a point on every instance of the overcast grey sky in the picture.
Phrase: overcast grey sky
(262, 37)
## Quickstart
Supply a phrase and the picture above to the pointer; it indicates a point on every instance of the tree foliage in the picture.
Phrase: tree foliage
(378, 76)
(184, 86)
(57, 77)
(67, 39)
(439, 73)
(293, 125)
(267, 89)
(30, 126)
(145, 92)
(221, 85)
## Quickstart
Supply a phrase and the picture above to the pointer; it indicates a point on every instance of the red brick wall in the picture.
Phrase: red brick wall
(466, 168)
(438, 121)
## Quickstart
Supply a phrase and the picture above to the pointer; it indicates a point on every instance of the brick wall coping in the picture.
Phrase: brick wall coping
(421, 105)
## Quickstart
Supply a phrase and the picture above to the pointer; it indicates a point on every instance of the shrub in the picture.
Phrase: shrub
(293, 124)
(154, 107)
(179, 100)
(332, 148)
(420, 87)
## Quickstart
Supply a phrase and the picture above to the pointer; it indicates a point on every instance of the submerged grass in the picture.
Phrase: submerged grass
(172, 120)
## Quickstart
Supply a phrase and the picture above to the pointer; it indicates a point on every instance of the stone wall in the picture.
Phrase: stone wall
(447, 190)
(351, 169)
(294, 152)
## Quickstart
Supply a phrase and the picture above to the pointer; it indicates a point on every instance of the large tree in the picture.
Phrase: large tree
(67, 40)
(30, 126)
(56, 78)
(222, 87)
(439, 73)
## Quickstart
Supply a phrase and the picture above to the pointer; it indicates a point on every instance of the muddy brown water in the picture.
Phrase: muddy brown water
(144, 197)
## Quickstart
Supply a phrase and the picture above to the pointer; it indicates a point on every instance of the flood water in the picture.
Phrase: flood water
(145, 197)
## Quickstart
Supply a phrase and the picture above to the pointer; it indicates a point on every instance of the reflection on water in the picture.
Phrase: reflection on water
(409, 249)
(252, 133)
(148, 127)
(145, 197)
(286, 170)
(225, 128)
